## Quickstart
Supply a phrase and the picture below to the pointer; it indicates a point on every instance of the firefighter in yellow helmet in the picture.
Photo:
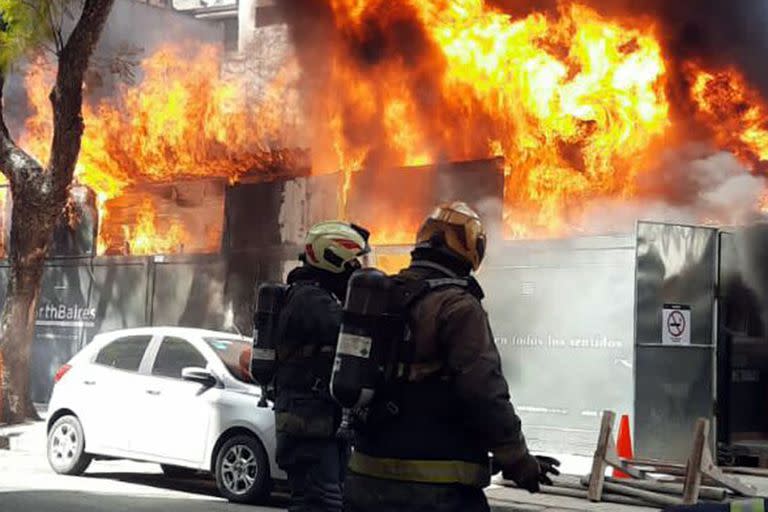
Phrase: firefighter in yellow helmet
(306, 415)
(424, 442)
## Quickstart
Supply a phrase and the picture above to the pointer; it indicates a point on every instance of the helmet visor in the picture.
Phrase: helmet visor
(481, 247)
(366, 235)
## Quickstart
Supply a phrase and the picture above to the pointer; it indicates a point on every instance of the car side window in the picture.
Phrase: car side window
(174, 355)
(124, 353)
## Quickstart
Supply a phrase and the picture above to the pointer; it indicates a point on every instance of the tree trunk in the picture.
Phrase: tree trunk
(30, 234)
(39, 195)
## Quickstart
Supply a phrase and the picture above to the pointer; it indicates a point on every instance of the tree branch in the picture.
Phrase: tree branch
(55, 30)
(67, 95)
(14, 162)
(3, 128)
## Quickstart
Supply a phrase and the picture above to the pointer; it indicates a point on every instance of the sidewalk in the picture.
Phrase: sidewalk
(505, 499)
(27, 437)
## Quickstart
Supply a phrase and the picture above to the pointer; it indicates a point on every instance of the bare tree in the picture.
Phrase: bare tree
(39, 194)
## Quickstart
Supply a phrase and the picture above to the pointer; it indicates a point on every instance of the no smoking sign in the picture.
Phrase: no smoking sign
(676, 324)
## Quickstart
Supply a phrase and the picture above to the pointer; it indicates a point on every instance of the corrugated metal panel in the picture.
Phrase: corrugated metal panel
(674, 384)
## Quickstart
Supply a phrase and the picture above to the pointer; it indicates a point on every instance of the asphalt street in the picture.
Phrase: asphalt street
(27, 484)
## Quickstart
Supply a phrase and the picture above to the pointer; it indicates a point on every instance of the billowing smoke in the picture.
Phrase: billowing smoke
(694, 185)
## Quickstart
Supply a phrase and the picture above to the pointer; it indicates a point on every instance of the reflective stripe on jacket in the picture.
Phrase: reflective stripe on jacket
(423, 471)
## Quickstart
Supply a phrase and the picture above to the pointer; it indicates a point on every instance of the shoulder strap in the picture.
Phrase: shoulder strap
(410, 291)
(444, 282)
(316, 284)
(311, 350)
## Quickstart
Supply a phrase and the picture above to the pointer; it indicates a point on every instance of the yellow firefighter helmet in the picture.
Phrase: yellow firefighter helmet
(456, 227)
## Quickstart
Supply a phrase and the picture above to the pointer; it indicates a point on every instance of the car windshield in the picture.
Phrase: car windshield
(235, 353)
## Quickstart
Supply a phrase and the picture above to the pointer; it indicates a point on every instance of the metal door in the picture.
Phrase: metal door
(676, 274)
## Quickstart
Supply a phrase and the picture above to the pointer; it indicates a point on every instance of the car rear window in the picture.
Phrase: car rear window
(124, 353)
(235, 353)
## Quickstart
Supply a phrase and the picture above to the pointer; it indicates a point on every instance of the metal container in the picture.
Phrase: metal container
(674, 339)
(742, 376)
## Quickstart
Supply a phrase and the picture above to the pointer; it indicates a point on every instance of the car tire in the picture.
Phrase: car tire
(179, 472)
(66, 447)
(242, 470)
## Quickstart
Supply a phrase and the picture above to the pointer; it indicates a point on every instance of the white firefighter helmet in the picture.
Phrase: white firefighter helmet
(333, 245)
(456, 228)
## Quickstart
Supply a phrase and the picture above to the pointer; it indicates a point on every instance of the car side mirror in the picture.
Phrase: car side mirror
(199, 375)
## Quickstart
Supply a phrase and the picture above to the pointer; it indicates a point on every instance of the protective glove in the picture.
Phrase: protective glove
(531, 471)
(525, 473)
(547, 466)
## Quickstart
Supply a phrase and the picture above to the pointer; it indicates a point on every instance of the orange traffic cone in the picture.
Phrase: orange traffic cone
(623, 445)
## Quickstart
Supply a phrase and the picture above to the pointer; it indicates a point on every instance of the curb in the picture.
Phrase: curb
(22, 437)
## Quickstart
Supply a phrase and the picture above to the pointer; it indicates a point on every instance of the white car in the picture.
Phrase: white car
(170, 395)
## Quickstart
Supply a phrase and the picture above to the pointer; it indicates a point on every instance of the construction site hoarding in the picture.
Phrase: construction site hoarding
(561, 312)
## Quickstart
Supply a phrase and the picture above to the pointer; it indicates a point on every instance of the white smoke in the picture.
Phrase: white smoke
(690, 187)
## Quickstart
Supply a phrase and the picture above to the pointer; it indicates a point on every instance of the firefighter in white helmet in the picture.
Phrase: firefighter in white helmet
(426, 438)
(307, 417)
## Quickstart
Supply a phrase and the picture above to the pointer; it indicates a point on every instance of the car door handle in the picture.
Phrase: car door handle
(153, 392)
(89, 382)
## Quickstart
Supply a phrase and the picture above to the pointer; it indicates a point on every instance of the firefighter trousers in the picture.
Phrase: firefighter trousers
(316, 476)
(366, 494)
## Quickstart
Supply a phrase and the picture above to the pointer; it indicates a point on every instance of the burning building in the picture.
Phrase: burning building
(563, 122)
(587, 111)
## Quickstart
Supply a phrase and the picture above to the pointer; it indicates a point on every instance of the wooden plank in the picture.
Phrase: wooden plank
(626, 466)
(675, 488)
(604, 442)
(572, 491)
(730, 482)
(745, 471)
(693, 474)
(702, 464)
(648, 496)
(656, 463)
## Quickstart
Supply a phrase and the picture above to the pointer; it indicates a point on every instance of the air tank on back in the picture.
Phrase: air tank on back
(269, 302)
(360, 356)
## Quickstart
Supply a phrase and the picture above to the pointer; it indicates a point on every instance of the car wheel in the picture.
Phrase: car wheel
(242, 470)
(179, 472)
(66, 447)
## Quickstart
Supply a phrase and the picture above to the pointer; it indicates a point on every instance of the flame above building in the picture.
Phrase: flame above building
(577, 103)
(735, 112)
(573, 102)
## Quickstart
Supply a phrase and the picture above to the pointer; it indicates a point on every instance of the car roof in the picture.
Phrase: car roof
(172, 331)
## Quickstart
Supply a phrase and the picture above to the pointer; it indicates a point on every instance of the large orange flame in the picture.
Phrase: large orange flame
(147, 237)
(574, 102)
(733, 110)
(184, 119)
